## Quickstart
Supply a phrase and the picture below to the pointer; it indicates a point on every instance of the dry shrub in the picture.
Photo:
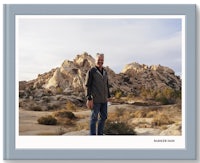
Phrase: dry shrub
(151, 114)
(82, 125)
(35, 108)
(120, 114)
(118, 94)
(70, 106)
(52, 107)
(161, 119)
(112, 116)
(64, 121)
(140, 114)
(47, 120)
(65, 117)
(126, 116)
(59, 90)
(81, 116)
(143, 125)
(64, 114)
(118, 128)
(119, 111)
(146, 113)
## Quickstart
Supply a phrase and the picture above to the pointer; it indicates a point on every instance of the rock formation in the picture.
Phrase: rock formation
(66, 83)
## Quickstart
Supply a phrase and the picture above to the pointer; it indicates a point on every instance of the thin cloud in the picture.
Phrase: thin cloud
(44, 44)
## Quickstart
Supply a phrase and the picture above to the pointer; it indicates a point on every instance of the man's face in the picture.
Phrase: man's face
(99, 61)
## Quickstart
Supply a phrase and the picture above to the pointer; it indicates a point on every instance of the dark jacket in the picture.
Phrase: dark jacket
(97, 85)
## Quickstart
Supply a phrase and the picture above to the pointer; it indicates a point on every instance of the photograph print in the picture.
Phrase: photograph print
(110, 80)
(142, 59)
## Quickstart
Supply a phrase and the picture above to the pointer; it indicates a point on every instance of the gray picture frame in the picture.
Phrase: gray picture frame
(10, 151)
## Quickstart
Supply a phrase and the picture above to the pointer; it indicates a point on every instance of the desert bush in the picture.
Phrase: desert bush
(118, 94)
(148, 93)
(69, 122)
(121, 114)
(164, 96)
(70, 106)
(127, 114)
(112, 116)
(59, 90)
(47, 120)
(130, 96)
(151, 114)
(52, 107)
(118, 128)
(140, 114)
(36, 108)
(65, 117)
(161, 119)
(64, 114)
(82, 125)
(119, 111)
(162, 99)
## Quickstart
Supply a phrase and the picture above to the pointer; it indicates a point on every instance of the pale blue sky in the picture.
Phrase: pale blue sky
(44, 43)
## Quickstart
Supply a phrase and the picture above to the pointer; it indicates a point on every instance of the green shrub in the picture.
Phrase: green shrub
(118, 128)
(47, 120)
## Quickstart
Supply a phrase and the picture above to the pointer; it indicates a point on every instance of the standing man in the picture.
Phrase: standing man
(97, 93)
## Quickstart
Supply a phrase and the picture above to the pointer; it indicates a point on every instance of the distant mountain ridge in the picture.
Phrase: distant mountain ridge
(69, 79)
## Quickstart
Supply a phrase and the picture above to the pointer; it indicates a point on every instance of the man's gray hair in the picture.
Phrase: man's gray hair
(99, 54)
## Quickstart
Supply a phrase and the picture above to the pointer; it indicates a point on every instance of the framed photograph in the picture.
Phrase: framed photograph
(150, 60)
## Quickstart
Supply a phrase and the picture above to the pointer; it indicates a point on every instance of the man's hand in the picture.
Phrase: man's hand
(89, 104)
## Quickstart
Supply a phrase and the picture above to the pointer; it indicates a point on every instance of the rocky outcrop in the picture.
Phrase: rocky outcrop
(70, 76)
(153, 77)
(68, 80)
(174, 129)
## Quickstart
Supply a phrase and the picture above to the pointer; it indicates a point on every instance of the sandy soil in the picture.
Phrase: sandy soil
(28, 124)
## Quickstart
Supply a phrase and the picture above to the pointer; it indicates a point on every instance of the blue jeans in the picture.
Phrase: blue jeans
(98, 113)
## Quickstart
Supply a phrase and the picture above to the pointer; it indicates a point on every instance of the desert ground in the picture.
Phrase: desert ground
(145, 120)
